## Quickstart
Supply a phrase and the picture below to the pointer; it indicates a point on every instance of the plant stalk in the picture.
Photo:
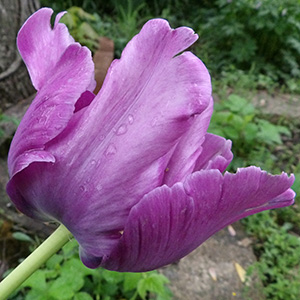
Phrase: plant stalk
(33, 262)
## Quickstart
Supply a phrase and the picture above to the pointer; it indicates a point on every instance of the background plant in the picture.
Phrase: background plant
(238, 120)
(262, 36)
(65, 277)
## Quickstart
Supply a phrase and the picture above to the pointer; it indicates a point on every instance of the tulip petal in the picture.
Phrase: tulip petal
(54, 104)
(188, 149)
(216, 154)
(14, 189)
(120, 144)
(85, 100)
(171, 222)
(42, 46)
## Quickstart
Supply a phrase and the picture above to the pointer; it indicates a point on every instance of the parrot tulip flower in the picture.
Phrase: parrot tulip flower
(131, 172)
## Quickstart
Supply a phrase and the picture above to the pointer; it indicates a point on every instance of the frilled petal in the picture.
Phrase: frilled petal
(168, 223)
(42, 46)
(116, 149)
(53, 107)
(189, 148)
(216, 154)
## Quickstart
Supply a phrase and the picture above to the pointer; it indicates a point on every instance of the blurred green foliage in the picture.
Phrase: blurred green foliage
(260, 38)
(279, 256)
(5, 119)
(262, 35)
(65, 277)
(238, 120)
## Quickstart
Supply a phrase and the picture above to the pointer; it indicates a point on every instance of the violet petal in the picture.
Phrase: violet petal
(216, 153)
(54, 105)
(169, 223)
(115, 150)
(42, 46)
(189, 148)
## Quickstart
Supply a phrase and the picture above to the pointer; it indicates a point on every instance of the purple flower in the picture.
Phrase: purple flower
(131, 172)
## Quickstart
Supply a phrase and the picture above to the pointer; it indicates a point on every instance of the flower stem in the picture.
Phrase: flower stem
(49, 247)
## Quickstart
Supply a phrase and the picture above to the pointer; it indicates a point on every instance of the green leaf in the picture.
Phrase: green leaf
(82, 296)
(20, 236)
(70, 281)
(221, 117)
(284, 130)
(268, 133)
(70, 20)
(86, 30)
(70, 248)
(36, 281)
(112, 277)
(235, 103)
(54, 261)
(250, 132)
(231, 133)
(154, 283)
(37, 295)
(216, 130)
(237, 122)
(64, 288)
(248, 109)
(75, 266)
(142, 288)
(131, 281)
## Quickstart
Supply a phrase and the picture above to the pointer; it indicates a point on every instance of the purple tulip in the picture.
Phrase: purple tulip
(131, 172)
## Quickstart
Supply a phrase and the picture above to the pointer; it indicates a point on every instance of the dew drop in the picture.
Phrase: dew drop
(62, 115)
(101, 137)
(58, 127)
(93, 162)
(42, 120)
(111, 150)
(130, 119)
(121, 130)
(99, 187)
(82, 188)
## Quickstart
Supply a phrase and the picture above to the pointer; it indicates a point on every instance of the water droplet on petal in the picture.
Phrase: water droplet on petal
(42, 120)
(99, 187)
(101, 137)
(58, 127)
(130, 119)
(82, 188)
(121, 130)
(111, 150)
(93, 162)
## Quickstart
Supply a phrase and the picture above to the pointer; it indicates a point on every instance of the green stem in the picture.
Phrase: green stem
(49, 247)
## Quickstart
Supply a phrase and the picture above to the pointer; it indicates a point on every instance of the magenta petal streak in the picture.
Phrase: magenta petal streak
(169, 223)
